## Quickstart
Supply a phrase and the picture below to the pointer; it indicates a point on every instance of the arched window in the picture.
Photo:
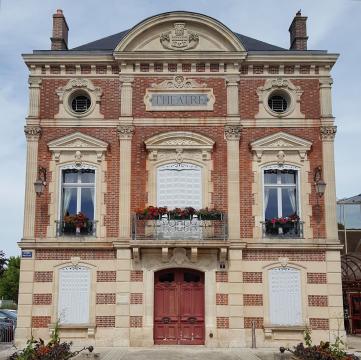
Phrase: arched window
(285, 304)
(74, 295)
(179, 185)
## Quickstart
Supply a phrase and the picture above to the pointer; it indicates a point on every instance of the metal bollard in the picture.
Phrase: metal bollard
(254, 346)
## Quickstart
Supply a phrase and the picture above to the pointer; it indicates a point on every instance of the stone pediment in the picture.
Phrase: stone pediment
(77, 142)
(180, 31)
(179, 139)
(281, 142)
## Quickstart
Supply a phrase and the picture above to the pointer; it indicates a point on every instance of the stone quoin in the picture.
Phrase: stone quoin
(180, 112)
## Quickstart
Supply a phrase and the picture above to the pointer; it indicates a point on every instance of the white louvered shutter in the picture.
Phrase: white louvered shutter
(285, 296)
(74, 294)
(179, 185)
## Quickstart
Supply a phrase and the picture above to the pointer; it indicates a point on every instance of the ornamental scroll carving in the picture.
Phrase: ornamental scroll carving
(179, 38)
(32, 133)
(125, 132)
(328, 133)
(232, 132)
(179, 82)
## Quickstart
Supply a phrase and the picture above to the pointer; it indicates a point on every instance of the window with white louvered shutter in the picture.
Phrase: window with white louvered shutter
(285, 296)
(74, 295)
(179, 185)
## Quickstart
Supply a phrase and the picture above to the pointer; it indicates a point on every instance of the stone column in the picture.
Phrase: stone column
(32, 134)
(328, 135)
(125, 133)
(126, 96)
(34, 97)
(232, 96)
(325, 97)
(232, 134)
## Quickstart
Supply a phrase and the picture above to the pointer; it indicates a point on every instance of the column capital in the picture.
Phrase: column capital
(32, 133)
(232, 80)
(326, 82)
(232, 132)
(125, 132)
(328, 133)
(126, 79)
(34, 81)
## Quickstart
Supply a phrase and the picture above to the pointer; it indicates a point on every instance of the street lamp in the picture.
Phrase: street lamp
(40, 182)
(320, 185)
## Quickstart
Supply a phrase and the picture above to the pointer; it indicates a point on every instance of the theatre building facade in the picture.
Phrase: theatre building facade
(180, 188)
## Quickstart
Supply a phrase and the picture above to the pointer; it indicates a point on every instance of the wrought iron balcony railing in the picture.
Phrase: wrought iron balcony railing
(175, 229)
(290, 229)
(65, 229)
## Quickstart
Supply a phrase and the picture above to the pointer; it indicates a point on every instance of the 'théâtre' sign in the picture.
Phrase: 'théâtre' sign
(179, 94)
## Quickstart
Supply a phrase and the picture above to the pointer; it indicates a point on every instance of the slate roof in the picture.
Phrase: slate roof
(110, 43)
(351, 200)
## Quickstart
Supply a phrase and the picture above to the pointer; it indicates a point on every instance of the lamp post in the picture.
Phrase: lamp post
(40, 182)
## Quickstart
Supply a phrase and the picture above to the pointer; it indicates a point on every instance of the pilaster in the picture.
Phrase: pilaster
(328, 135)
(232, 96)
(125, 134)
(32, 134)
(325, 97)
(232, 134)
(126, 95)
(34, 97)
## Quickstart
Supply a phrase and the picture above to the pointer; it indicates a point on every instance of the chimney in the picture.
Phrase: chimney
(59, 40)
(298, 32)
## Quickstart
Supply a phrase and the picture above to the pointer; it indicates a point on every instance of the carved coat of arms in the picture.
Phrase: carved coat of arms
(179, 38)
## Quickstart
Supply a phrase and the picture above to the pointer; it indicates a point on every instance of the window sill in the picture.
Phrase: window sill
(89, 327)
(284, 332)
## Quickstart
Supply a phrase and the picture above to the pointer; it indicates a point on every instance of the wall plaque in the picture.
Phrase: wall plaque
(179, 94)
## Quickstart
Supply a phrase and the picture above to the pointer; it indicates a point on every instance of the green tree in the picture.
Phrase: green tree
(9, 281)
(3, 262)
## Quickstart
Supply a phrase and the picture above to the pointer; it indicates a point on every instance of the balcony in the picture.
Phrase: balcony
(286, 230)
(64, 228)
(193, 229)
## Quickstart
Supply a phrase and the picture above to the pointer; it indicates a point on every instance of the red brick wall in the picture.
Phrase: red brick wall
(42, 299)
(246, 175)
(222, 322)
(221, 299)
(319, 324)
(105, 298)
(108, 135)
(142, 83)
(248, 322)
(106, 276)
(105, 321)
(135, 321)
(109, 104)
(252, 277)
(316, 278)
(136, 298)
(221, 276)
(66, 254)
(248, 98)
(219, 174)
(293, 255)
(43, 276)
(40, 321)
(136, 275)
(318, 300)
(252, 299)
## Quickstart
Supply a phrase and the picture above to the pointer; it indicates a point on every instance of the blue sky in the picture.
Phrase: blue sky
(26, 25)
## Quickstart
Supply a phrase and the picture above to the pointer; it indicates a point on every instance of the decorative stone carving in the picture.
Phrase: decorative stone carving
(136, 255)
(78, 157)
(125, 132)
(328, 133)
(280, 85)
(165, 254)
(179, 256)
(194, 254)
(281, 144)
(179, 38)
(281, 157)
(179, 94)
(32, 133)
(65, 93)
(232, 132)
(283, 261)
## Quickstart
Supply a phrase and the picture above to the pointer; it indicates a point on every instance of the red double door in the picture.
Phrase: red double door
(179, 307)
